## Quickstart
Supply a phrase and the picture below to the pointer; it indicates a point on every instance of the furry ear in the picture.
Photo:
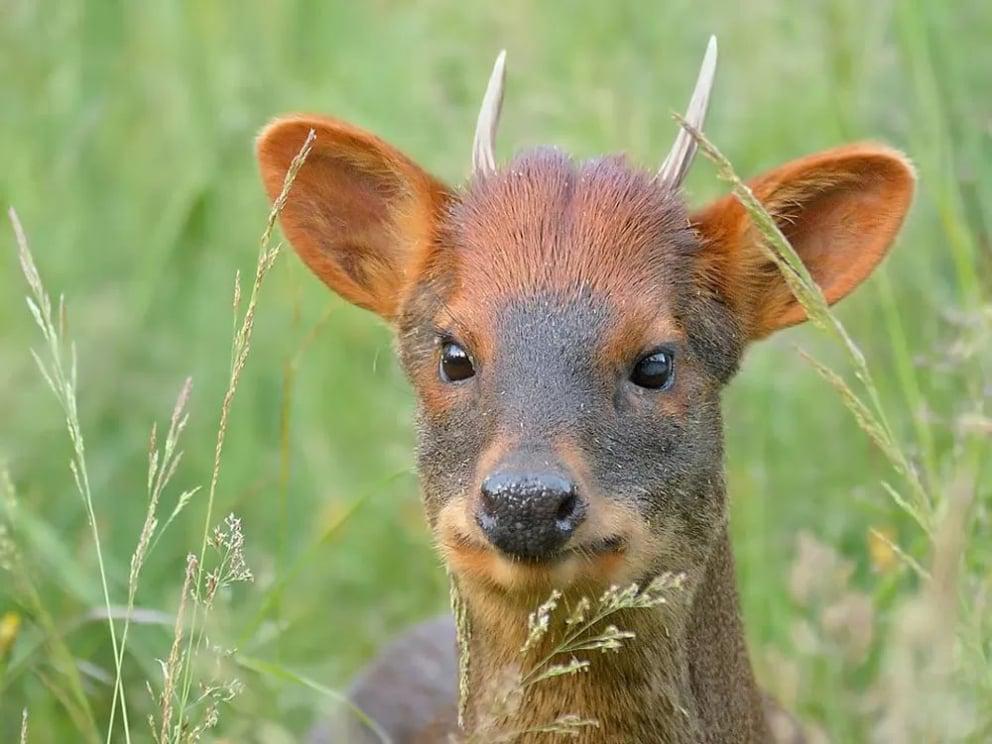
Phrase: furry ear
(359, 208)
(840, 209)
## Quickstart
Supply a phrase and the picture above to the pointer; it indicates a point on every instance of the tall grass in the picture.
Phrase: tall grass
(59, 371)
(205, 585)
(14, 565)
(943, 660)
(62, 381)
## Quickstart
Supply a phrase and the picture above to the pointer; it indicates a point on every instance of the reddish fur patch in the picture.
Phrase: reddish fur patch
(545, 224)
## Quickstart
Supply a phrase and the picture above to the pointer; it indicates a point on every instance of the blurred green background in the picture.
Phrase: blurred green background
(126, 134)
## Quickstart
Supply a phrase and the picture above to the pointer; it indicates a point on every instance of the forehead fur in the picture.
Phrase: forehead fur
(545, 223)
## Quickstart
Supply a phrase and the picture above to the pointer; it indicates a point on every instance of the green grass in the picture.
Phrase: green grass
(125, 138)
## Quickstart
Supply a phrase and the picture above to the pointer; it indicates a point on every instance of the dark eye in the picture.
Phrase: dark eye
(655, 371)
(456, 365)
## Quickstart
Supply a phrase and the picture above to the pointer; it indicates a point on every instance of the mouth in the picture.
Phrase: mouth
(593, 563)
(615, 545)
(606, 546)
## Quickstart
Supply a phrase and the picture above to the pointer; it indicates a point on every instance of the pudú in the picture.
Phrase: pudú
(568, 328)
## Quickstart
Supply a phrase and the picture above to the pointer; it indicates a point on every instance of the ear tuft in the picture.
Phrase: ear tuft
(840, 210)
(359, 208)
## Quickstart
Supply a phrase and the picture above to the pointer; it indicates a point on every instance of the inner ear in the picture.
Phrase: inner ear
(840, 211)
(359, 211)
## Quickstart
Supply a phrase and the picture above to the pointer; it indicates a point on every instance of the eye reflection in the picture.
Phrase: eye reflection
(655, 371)
(456, 365)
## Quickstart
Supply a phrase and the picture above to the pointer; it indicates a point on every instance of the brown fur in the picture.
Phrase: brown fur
(557, 277)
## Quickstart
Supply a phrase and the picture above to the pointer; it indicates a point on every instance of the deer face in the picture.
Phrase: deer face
(568, 328)
(568, 368)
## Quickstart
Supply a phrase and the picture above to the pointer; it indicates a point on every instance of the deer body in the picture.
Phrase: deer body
(687, 680)
(676, 682)
(568, 329)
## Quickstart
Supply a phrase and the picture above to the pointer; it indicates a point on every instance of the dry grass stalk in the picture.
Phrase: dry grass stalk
(870, 415)
(174, 665)
(463, 635)
(583, 632)
(61, 375)
(162, 466)
(926, 662)
(241, 345)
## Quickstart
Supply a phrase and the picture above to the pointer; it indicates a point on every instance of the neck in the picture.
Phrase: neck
(685, 677)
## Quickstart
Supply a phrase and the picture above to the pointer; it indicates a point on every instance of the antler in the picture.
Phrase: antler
(676, 165)
(483, 160)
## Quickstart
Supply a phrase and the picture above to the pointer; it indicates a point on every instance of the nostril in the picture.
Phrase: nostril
(567, 508)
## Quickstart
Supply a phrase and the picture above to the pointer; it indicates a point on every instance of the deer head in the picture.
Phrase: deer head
(568, 328)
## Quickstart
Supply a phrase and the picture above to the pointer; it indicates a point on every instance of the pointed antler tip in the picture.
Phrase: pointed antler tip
(709, 59)
(676, 164)
(483, 160)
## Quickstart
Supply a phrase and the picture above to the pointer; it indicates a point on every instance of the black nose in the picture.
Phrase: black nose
(529, 515)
